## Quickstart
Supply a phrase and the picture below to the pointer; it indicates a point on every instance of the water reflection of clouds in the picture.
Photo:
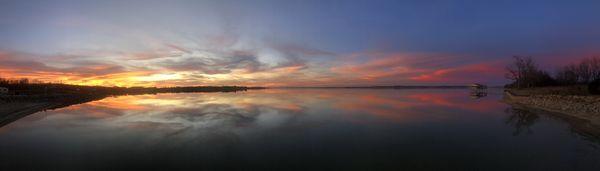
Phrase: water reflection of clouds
(458, 100)
(268, 109)
(181, 115)
(303, 126)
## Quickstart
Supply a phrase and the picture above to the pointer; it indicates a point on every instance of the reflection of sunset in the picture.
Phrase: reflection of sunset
(158, 102)
(194, 110)
(361, 105)
(118, 103)
(270, 120)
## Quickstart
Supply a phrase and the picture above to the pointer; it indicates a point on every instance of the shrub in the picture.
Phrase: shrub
(594, 87)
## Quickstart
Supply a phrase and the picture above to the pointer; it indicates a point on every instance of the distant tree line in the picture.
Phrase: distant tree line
(26, 87)
(525, 73)
(22, 81)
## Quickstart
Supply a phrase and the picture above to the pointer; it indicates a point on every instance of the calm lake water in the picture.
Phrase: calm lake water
(283, 129)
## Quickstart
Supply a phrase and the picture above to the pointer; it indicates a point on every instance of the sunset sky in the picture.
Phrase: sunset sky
(288, 42)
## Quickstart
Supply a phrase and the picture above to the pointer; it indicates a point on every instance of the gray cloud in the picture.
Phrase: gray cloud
(23, 63)
(223, 60)
(215, 65)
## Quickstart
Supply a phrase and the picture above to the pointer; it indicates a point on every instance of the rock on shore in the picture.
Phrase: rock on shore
(583, 107)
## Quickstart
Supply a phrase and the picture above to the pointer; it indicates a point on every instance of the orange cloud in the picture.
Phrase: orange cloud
(185, 66)
(19, 65)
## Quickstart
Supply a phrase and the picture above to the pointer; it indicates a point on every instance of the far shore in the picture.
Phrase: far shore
(384, 87)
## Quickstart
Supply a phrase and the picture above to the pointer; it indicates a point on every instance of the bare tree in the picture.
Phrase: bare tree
(594, 64)
(567, 75)
(584, 72)
(525, 73)
(516, 71)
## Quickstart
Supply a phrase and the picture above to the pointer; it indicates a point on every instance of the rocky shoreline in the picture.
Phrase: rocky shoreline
(581, 107)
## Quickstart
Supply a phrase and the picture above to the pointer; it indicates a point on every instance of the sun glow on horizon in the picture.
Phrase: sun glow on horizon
(158, 77)
(205, 43)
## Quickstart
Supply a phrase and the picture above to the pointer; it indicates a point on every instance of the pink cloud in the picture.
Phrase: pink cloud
(463, 74)
(399, 68)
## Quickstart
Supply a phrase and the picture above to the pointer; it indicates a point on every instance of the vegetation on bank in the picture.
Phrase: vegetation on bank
(582, 78)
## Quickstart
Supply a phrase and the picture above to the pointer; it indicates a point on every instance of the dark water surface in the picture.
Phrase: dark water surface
(303, 129)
